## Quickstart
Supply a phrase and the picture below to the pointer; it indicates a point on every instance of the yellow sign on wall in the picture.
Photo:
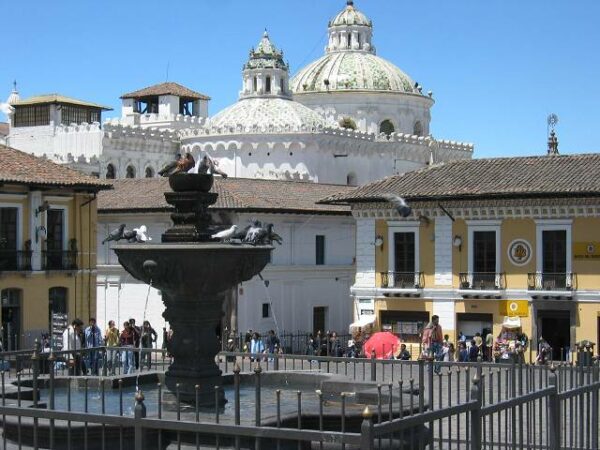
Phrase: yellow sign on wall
(513, 308)
(586, 250)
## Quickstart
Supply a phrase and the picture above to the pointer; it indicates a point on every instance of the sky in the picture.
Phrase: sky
(497, 68)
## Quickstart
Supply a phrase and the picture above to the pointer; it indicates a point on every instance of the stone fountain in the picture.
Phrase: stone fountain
(193, 273)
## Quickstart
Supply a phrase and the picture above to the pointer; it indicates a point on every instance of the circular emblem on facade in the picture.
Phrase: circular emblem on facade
(591, 249)
(513, 307)
(519, 252)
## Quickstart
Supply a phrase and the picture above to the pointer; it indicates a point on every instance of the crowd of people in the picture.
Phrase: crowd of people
(86, 357)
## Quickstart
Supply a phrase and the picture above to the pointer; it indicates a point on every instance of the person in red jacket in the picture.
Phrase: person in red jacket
(127, 343)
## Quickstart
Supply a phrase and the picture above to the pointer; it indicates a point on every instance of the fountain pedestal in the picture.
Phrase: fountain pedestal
(193, 277)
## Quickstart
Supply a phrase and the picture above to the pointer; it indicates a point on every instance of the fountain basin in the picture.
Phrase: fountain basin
(193, 279)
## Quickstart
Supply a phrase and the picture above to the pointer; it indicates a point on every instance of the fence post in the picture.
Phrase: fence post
(139, 413)
(367, 436)
(422, 386)
(35, 362)
(476, 436)
(554, 411)
(595, 419)
(373, 367)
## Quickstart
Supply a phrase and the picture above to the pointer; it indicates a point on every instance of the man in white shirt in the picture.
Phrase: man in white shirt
(72, 341)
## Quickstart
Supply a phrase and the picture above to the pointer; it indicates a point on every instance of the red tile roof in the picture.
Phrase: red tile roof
(168, 88)
(239, 194)
(18, 167)
(533, 176)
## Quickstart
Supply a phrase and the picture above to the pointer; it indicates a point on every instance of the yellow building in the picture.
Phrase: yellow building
(47, 246)
(511, 242)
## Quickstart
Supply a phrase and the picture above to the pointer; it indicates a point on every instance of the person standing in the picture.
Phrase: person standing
(404, 353)
(432, 341)
(137, 332)
(111, 340)
(273, 342)
(127, 343)
(149, 337)
(256, 346)
(489, 345)
(72, 342)
(93, 340)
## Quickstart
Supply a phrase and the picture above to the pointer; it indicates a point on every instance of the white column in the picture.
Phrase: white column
(365, 253)
(35, 200)
(443, 251)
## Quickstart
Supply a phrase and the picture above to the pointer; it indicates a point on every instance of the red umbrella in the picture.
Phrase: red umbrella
(384, 344)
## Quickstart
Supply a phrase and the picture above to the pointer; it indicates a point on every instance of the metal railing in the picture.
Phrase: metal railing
(462, 406)
(59, 260)
(17, 260)
(544, 281)
(402, 280)
(484, 281)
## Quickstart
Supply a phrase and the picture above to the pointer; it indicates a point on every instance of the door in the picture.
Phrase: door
(554, 259)
(320, 319)
(484, 260)
(404, 260)
(11, 318)
(8, 238)
(555, 328)
(55, 239)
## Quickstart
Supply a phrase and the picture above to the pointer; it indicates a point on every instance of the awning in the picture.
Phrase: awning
(511, 322)
(363, 321)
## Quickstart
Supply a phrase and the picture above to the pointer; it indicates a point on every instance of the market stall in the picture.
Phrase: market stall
(511, 343)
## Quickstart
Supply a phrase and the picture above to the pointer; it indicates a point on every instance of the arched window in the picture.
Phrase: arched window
(268, 85)
(110, 172)
(351, 179)
(254, 84)
(349, 41)
(130, 172)
(57, 305)
(11, 318)
(282, 85)
(418, 128)
(149, 172)
(386, 127)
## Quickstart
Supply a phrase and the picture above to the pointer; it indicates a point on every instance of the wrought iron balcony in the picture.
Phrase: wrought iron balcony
(16, 260)
(59, 260)
(402, 280)
(482, 281)
(544, 281)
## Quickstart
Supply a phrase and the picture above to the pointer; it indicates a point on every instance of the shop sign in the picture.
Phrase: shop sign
(519, 252)
(514, 308)
(586, 250)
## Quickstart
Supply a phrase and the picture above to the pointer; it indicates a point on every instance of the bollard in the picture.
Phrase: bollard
(553, 412)
(276, 362)
(257, 372)
(373, 367)
(236, 388)
(476, 436)
(139, 413)
(366, 430)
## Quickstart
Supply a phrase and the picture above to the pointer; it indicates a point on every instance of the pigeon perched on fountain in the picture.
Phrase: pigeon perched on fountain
(272, 236)
(115, 235)
(141, 234)
(255, 232)
(226, 235)
(208, 165)
(182, 164)
(399, 204)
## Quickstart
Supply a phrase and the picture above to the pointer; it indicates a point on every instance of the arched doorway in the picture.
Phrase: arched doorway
(386, 127)
(130, 172)
(11, 318)
(110, 172)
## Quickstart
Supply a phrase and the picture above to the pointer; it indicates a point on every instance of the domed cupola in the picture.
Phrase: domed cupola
(14, 95)
(350, 30)
(265, 74)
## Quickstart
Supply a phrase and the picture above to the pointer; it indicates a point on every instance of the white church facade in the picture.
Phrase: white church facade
(348, 118)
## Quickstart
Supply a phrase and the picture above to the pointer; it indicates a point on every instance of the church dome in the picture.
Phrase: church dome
(350, 16)
(277, 114)
(352, 71)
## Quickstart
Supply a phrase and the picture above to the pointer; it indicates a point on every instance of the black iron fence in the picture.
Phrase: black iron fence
(17, 260)
(482, 280)
(464, 406)
(403, 280)
(544, 281)
(59, 260)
